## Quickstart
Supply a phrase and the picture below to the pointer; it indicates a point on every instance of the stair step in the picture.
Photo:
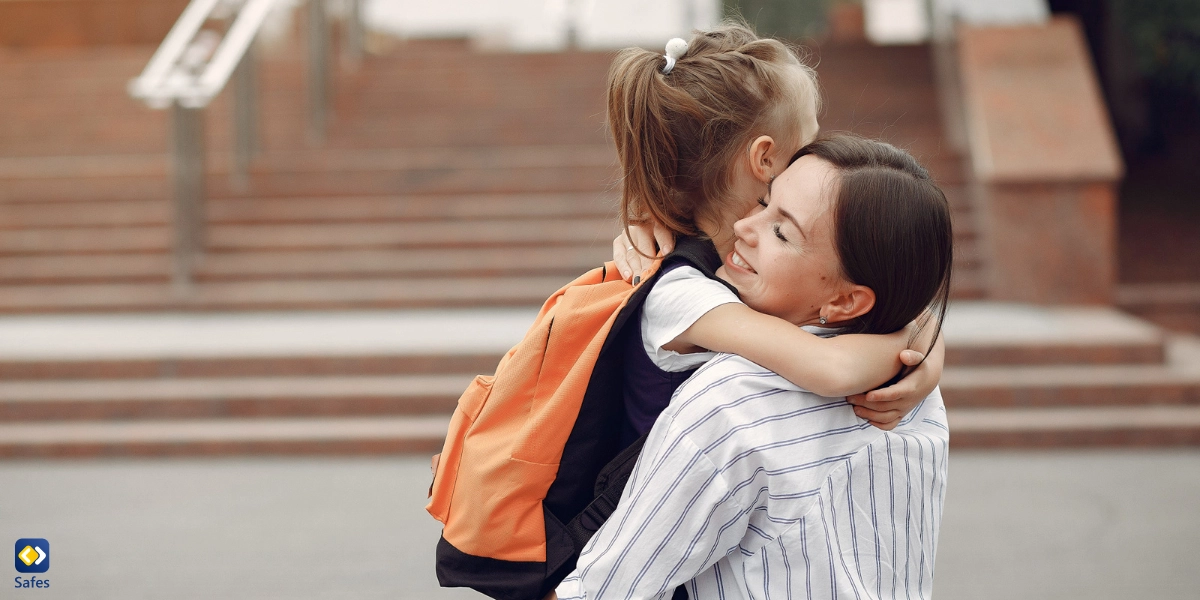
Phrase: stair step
(566, 261)
(375, 208)
(92, 213)
(322, 294)
(75, 240)
(996, 333)
(1143, 426)
(1172, 305)
(1044, 386)
(325, 174)
(434, 234)
(209, 397)
(1176, 381)
(240, 365)
(76, 268)
(372, 435)
(212, 344)
(33, 215)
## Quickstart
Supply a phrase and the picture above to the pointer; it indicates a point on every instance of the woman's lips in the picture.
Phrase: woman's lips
(736, 260)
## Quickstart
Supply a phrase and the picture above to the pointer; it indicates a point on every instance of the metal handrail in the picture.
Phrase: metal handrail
(189, 69)
(169, 53)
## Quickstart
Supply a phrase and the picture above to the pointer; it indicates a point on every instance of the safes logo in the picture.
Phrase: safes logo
(33, 555)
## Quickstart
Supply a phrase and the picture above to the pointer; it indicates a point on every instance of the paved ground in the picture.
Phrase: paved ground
(1058, 525)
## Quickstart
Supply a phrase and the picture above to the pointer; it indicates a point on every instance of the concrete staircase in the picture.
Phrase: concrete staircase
(448, 179)
(1028, 376)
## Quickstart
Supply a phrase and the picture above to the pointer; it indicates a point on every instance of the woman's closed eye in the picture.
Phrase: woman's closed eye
(778, 232)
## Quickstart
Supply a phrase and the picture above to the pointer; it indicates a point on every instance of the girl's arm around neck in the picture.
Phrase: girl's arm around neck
(838, 366)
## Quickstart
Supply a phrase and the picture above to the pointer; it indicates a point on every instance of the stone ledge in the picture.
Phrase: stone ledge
(1034, 110)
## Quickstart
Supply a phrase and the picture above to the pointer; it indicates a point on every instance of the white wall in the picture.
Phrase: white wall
(533, 25)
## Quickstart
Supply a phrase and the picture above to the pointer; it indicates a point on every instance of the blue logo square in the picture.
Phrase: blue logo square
(32, 555)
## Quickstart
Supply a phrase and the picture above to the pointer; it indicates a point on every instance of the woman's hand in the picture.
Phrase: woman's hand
(885, 407)
(652, 241)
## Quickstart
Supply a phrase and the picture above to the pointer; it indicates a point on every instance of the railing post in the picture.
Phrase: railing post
(318, 70)
(352, 41)
(187, 127)
(571, 8)
(245, 118)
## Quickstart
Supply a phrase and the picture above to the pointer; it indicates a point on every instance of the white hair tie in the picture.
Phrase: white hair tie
(675, 50)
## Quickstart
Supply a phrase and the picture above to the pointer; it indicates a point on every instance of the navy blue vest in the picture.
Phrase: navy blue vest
(647, 388)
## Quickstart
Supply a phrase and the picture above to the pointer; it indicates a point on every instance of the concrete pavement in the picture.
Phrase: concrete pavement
(1055, 525)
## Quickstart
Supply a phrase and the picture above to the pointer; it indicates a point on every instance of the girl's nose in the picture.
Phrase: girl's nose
(744, 227)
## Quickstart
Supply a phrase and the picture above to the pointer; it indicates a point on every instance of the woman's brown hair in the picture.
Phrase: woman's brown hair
(677, 134)
(892, 232)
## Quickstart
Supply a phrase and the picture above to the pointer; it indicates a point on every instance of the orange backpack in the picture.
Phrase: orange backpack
(532, 463)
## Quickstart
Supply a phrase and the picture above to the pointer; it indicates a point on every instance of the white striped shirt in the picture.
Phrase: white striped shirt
(750, 487)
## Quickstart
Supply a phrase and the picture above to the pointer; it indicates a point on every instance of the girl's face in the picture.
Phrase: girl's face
(796, 130)
(783, 261)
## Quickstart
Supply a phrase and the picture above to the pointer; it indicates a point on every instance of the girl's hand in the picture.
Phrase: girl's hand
(652, 241)
(885, 407)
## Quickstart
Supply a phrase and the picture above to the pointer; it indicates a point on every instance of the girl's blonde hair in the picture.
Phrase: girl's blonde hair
(677, 134)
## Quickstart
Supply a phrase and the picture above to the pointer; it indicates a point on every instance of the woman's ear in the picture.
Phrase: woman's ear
(762, 158)
(853, 302)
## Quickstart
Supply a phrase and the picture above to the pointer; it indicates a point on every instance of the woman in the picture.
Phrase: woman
(749, 486)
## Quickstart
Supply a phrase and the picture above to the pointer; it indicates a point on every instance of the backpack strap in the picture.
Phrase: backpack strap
(698, 253)
(610, 484)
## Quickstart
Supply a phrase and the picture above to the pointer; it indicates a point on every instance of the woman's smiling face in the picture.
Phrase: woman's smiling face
(784, 262)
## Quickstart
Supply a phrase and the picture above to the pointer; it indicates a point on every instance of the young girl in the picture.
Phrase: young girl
(700, 134)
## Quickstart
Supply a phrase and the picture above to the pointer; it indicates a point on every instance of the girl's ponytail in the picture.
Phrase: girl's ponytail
(640, 105)
(677, 135)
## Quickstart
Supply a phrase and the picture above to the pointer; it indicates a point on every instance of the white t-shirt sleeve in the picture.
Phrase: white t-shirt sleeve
(679, 298)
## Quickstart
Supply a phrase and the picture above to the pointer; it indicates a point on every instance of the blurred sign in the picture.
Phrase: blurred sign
(915, 21)
(896, 21)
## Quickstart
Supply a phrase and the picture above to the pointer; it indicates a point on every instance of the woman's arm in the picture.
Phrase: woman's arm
(831, 367)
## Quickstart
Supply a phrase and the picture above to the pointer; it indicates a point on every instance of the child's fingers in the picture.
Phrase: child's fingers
(901, 389)
(868, 401)
(865, 401)
(911, 357)
(883, 419)
(665, 239)
(641, 248)
(621, 257)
